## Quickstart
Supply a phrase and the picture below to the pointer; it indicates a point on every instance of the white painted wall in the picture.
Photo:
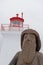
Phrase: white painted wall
(10, 45)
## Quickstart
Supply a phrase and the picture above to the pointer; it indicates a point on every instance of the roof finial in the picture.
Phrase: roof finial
(22, 14)
(17, 15)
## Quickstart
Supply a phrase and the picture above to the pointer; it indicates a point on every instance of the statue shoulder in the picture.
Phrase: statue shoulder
(15, 58)
(40, 57)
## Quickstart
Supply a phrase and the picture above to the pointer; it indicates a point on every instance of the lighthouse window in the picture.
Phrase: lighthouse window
(17, 23)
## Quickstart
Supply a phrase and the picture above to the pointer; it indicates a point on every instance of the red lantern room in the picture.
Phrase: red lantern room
(17, 21)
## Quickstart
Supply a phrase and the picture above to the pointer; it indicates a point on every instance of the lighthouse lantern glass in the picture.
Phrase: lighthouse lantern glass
(19, 23)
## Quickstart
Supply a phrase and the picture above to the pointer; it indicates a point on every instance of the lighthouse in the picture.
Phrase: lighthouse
(16, 24)
(10, 36)
(17, 21)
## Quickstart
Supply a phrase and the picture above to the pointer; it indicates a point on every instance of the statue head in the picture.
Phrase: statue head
(30, 44)
(31, 32)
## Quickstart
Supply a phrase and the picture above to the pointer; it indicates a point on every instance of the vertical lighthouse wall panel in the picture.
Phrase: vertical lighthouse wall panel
(11, 45)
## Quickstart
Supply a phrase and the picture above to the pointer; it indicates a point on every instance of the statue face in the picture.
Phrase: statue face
(30, 39)
(29, 47)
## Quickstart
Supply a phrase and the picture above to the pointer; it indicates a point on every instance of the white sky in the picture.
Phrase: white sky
(32, 9)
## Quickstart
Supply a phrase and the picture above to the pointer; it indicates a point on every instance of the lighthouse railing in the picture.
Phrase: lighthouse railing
(7, 27)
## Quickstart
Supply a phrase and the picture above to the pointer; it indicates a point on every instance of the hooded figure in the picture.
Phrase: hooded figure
(30, 45)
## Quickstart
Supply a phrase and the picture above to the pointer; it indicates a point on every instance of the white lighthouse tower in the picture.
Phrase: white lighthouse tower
(10, 38)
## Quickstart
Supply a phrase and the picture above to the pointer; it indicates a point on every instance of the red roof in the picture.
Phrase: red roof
(16, 18)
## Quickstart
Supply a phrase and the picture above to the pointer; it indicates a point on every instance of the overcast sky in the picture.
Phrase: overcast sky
(32, 10)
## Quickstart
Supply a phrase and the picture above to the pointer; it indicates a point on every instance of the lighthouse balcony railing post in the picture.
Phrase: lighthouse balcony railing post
(8, 27)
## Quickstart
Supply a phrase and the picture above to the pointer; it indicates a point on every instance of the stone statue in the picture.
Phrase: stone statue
(30, 45)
